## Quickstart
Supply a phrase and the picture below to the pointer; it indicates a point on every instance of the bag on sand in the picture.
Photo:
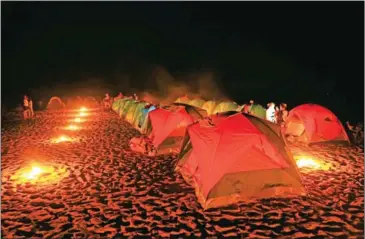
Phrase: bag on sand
(142, 145)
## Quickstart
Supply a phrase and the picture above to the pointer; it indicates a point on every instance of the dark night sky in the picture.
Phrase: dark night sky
(283, 51)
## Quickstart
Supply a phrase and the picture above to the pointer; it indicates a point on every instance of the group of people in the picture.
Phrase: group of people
(107, 101)
(274, 113)
(28, 111)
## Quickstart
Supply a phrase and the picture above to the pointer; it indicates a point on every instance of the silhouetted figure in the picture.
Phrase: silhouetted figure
(26, 107)
(119, 96)
(282, 115)
(106, 101)
(31, 111)
(135, 97)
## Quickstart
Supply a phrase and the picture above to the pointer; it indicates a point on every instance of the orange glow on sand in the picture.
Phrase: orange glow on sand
(83, 114)
(36, 173)
(72, 127)
(310, 163)
(61, 139)
(78, 120)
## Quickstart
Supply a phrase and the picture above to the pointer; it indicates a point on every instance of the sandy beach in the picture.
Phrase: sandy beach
(108, 191)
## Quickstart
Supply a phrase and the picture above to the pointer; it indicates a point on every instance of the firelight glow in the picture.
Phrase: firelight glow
(310, 163)
(77, 120)
(82, 114)
(61, 139)
(39, 174)
(83, 109)
(34, 173)
(72, 127)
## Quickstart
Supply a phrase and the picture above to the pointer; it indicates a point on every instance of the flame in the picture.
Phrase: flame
(72, 127)
(77, 120)
(40, 174)
(34, 173)
(310, 163)
(83, 109)
(61, 139)
(83, 114)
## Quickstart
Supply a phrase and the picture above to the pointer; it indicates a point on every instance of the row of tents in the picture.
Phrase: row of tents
(56, 103)
(229, 156)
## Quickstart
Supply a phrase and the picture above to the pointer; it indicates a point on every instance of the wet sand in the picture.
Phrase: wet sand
(111, 192)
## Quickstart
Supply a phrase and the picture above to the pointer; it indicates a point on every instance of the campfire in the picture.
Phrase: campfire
(77, 120)
(306, 162)
(83, 109)
(39, 174)
(61, 139)
(72, 127)
(83, 114)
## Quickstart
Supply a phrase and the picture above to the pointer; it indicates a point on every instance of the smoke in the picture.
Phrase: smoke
(152, 83)
(201, 84)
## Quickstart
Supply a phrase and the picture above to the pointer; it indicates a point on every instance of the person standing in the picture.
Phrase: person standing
(270, 112)
(25, 107)
(250, 106)
(106, 101)
(31, 111)
(284, 112)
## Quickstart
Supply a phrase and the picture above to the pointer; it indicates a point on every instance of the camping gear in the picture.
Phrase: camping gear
(142, 145)
(55, 103)
(90, 102)
(234, 157)
(226, 106)
(311, 123)
(183, 99)
(197, 103)
(258, 111)
(209, 106)
(167, 125)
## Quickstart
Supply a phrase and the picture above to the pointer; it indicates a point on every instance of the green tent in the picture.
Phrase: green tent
(138, 113)
(116, 104)
(121, 104)
(197, 103)
(130, 114)
(226, 106)
(209, 106)
(258, 111)
(126, 107)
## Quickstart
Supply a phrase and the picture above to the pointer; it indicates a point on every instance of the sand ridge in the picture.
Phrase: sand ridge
(112, 192)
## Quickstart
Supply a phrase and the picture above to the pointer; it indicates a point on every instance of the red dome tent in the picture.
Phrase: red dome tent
(168, 125)
(313, 123)
(236, 157)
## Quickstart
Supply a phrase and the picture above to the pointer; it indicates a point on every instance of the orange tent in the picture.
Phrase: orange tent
(313, 123)
(235, 157)
(168, 125)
